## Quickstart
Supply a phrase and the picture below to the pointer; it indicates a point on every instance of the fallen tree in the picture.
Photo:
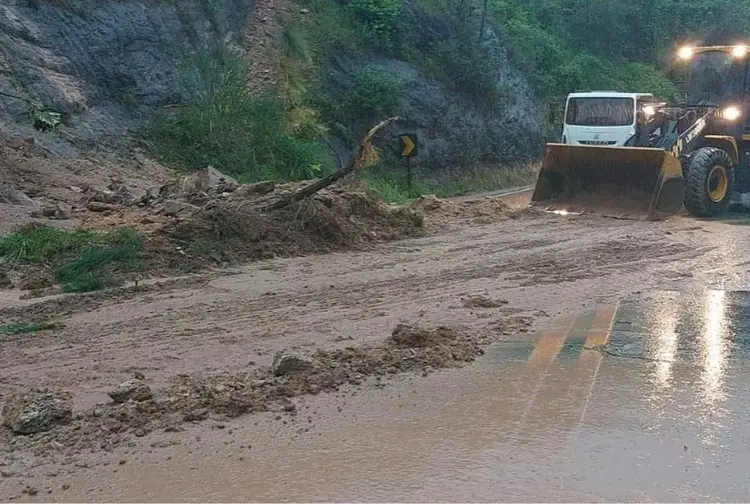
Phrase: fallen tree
(357, 162)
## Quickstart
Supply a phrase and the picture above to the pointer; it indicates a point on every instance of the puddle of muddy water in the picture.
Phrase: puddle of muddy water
(645, 400)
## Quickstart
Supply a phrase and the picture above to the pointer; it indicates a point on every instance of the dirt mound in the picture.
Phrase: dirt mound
(339, 218)
(41, 177)
(187, 222)
(410, 348)
(441, 214)
(208, 218)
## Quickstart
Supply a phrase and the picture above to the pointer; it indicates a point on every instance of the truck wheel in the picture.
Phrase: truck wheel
(708, 188)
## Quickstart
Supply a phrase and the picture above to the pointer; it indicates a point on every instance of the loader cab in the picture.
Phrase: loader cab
(603, 118)
(719, 77)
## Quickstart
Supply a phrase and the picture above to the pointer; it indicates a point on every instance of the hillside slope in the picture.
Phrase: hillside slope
(107, 66)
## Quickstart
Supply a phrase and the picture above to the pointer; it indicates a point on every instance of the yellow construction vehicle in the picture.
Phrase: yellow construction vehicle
(695, 154)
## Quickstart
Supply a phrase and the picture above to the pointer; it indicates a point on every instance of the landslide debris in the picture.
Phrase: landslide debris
(208, 218)
(37, 411)
(443, 214)
(136, 410)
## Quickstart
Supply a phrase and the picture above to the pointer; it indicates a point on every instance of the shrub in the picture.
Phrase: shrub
(81, 260)
(223, 125)
(375, 92)
(380, 19)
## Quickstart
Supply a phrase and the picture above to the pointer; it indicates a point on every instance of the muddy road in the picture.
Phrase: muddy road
(510, 280)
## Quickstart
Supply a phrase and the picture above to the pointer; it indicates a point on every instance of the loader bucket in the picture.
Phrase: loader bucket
(624, 182)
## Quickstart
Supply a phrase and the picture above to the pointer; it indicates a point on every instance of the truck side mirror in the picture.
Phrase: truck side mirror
(551, 114)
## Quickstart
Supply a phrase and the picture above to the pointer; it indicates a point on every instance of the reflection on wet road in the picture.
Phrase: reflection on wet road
(644, 401)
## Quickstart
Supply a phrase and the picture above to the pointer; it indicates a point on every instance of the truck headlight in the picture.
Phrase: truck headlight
(686, 53)
(740, 51)
(731, 113)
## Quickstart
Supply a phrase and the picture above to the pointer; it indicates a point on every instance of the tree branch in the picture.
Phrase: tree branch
(333, 177)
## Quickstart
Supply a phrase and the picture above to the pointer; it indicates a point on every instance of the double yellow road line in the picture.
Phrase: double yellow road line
(558, 398)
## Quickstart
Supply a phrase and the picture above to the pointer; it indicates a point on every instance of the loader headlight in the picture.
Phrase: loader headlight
(649, 110)
(686, 53)
(740, 51)
(731, 113)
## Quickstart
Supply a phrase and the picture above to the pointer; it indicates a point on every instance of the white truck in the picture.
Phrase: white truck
(604, 118)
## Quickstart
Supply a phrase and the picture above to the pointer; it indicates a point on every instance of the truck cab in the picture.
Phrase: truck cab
(605, 118)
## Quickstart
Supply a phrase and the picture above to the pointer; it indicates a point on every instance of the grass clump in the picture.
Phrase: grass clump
(220, 123)
(81, 260)
(376, 92)
(391, 184)
(17, 328)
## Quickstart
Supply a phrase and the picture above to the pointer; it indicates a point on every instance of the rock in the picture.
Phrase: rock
(98, 206)
(259, 188)
(173, 208)
(153, 194)
(131, 389)
(286, 364)
(30, 490)
(196, 415)
(484, 302)
(63, 211)
(209, 179)
(154, 219)
(11, 196)
(58, 211)
(37, 411)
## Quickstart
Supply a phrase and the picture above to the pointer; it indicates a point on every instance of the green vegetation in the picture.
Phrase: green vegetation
(380, 21)
(582, 45)
(392, 184)
(376, 93)
(25, 328)
(81, 261)
(222, 124)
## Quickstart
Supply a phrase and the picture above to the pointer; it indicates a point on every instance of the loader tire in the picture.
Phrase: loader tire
(710, 177)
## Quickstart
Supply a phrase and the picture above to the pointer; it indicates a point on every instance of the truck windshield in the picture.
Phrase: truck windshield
(600, 112)
(713, 79)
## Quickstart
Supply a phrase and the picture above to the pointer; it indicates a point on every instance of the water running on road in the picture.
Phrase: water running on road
(646, 400)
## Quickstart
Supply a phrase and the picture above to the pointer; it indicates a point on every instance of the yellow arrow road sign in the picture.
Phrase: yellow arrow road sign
(409, 145)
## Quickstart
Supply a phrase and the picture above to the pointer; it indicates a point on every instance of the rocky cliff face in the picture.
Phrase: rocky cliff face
(107, 64)
(454, 131)
(104, 64)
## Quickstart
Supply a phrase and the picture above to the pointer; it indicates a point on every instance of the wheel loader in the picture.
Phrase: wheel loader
(695, 154)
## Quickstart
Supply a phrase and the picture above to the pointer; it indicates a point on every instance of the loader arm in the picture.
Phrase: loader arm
(690, 138)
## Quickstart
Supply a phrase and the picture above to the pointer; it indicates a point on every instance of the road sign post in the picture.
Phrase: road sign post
(409, 149)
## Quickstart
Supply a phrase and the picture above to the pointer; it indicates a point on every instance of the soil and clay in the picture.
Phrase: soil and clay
(42, 420)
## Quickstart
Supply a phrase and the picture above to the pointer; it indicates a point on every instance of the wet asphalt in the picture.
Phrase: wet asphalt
(642, 401)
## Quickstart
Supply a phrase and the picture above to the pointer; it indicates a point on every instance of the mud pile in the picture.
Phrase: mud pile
(442, 214)
(210, 216)
(136, 410)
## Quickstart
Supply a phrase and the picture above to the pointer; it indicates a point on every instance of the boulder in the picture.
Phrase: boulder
(209, 179)
(98, 206)
(58, 211)
(287, 364)
(173, 208)
(135, 390)
(37, 411)
(259, 188)
(11, 196)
